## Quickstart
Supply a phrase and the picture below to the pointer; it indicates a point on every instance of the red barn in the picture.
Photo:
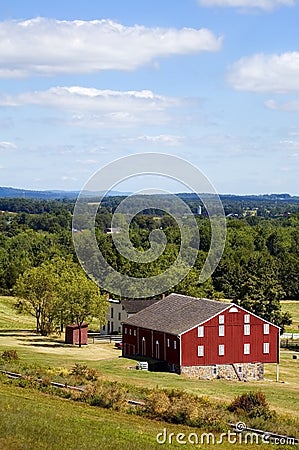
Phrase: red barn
(203, 338)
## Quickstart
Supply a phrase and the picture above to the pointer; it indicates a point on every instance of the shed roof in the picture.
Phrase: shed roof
(177, 313)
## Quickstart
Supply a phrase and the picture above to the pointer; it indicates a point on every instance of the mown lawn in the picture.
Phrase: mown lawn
(10, 320)
(292, 307)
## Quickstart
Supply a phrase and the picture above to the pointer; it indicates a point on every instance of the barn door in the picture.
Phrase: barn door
(143, 347)
(157, 350)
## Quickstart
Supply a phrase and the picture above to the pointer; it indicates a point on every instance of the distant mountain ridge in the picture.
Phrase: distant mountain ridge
(10, 192)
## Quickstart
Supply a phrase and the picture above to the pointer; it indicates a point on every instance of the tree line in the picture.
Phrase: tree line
(259, 266)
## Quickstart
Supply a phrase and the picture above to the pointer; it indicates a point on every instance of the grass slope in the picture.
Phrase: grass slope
(292, 307)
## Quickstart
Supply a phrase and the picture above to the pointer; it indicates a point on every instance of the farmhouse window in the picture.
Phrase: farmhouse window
(221, 350)
(266, 328)
(246, 349)
(266, 347)
(221, 330)
(221, 319)
(200, 331)
(111, 313)
(200, 350)
(119, 316)
(247, 318)
(246, 330)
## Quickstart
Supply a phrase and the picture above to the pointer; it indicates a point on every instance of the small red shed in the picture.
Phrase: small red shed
(72, 334)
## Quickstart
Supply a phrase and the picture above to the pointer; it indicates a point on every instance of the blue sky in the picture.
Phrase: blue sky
(213, 81)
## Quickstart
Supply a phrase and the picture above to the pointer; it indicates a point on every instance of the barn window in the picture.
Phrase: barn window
(215, 370)
(168, 343)
(221, 319)
(134, 332)
(221, 330)
(246, 330)
(240, 369)
(126, 330)
(246, 349)
(221, 350)
(266, 347)
(130, 331)
(200, 350)
(174, 345)
(266, 328)
(200, 331)
(247, 318)
(233, 309)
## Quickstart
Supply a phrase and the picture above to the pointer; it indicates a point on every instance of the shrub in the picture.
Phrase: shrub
(157, 404)
(79, 370)
(10, 355)
(252, 403)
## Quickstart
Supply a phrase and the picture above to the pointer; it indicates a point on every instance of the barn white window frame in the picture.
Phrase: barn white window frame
(174, 345)
(168, 342)
(200, 331)
(247, 349)
(246, 329)
(266, 348)
(200, 351)
(221, 330)
(221, 350)
(266, 328)
(246, 318)
(221, 319)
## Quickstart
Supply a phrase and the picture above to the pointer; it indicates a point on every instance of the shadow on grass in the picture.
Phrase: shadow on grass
(16, 333)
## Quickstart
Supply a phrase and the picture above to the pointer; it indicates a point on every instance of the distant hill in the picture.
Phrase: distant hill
(9, 192)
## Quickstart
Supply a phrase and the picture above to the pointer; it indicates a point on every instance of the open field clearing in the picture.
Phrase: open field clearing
(51, 351)
(292, 307)
(283, 396)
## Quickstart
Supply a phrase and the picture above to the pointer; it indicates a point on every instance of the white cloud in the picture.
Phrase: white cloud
(49, 47)
(4, 145)
(162, 139)
(266, 73)
(96, 108)
(266, 5)
(292, 105)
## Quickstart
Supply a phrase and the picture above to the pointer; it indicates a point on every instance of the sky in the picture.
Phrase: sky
(215, 82)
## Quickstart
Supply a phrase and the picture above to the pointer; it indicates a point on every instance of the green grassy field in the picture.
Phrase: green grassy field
(34, 421)
(293, 308)
(10, 320)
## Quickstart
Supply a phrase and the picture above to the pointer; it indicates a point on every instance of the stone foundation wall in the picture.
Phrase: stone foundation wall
(238, 371)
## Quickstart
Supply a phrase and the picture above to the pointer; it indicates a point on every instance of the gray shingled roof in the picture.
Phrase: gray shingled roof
(177, 313)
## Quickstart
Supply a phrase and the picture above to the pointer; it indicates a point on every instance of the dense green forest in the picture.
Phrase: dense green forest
(259, 266)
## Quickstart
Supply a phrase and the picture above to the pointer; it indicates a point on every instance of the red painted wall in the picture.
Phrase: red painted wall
(153, 344)
(72, 334)
(233, 340)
